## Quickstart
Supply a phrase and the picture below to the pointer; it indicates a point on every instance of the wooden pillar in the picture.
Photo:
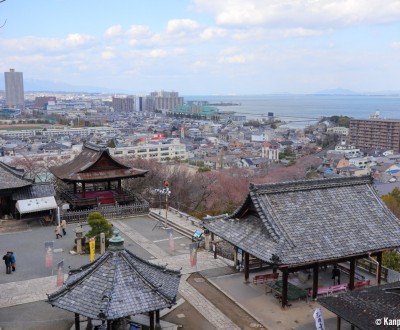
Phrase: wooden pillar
(83, 189)
(285, 278)
(352, 273)
(109, 185)
(246, 267)
(158, 325)
(75, 188)
(77, 322)
(119, 185)
(315, 280)
(151, 315)
(379, 270)
(338, 323)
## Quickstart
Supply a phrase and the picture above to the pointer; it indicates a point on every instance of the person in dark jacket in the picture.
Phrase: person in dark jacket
(7, 261)
(336, 275)
(13, 261)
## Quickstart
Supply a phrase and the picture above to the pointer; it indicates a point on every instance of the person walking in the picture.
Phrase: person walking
(64, 227)
(336, 275)
(58, 231)
(7, 261)
(13, 261)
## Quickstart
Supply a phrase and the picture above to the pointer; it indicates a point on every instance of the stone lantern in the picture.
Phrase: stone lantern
(79, 236)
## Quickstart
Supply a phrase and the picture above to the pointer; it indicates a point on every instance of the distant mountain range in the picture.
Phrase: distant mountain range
(336, 91)
(342, 91)
(36, 85)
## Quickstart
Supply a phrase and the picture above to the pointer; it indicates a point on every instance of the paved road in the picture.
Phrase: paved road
(141, 237)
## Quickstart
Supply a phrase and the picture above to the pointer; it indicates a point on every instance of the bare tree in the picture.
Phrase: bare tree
(5, 20)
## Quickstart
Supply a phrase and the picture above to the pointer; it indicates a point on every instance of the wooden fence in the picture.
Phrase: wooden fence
(109, 212)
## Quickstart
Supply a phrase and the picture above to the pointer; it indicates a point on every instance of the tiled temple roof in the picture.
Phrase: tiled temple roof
(306, 221)
(36, 190)
(93, 164)
(11, 177)
(118, 284)
(362, 307)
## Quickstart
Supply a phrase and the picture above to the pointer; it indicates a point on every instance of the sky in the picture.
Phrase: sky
(205, 47)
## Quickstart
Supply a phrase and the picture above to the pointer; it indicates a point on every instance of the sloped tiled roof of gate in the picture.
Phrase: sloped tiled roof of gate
(301, 222)
(118, 284)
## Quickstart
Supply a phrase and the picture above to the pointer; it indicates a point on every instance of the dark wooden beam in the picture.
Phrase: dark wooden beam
(77, 322)
(379, 270)
(151, 316)
(158, 326)
(285, 278)
(338, 323)
(352, 273)
(315, 280)
(246, 267)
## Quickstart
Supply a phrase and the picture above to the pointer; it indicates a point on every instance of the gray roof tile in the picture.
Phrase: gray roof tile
(118, 284)
(309, 221)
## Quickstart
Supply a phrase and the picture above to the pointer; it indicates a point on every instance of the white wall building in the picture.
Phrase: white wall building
(158, 151)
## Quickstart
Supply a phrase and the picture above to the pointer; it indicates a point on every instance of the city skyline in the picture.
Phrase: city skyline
(205, 47)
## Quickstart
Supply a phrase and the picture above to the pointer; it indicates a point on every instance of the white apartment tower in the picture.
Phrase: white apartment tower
(166, 100)
(14, 83)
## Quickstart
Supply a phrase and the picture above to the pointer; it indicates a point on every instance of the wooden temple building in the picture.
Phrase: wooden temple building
(94, 178)
(118, 285)
(303, 225)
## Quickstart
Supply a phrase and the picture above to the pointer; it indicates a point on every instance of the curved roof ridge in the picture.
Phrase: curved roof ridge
(272, 230)
(94, 147)
(278, 228)
(149, 283)
(265, 188)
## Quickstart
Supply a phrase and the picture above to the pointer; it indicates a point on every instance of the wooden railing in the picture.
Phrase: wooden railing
(79, 201)
(109, 212)
(370, 267)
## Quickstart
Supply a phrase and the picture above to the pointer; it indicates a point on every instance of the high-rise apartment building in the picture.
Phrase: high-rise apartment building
(166, 100)
(145, 103)
(375, 133)
(124, 104)
(14, 83)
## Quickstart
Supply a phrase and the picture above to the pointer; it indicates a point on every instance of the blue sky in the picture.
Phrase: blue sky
(205, 46)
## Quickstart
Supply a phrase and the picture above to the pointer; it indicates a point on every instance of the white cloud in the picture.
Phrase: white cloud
(304, 13)
(136, 31)
(234, 56)
(108, 53)
(113, 31)
(396, 44)
(40, 44)
(157, 53)
(213, 32)
(179, 25)
(77, 39)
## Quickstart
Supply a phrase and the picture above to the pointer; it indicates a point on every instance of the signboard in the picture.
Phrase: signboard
(60, 273)
(49, 248)
(92, 243)
(170, 233)
(193, 254)
(319, 319)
